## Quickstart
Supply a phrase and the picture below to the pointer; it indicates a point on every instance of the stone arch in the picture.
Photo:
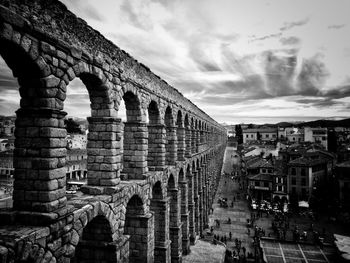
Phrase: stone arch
(170, 138)
(188, 138)
(96, 242)
(156, 134)
(40, 113)
(181, 136)
(181, 176)
(134, 158)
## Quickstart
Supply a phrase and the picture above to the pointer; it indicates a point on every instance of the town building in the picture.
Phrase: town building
(307, 173)
(280, 190)
(250, 135)
(342, 174)
(76, 162)
(6, 166)
(294, 134)
(316, 135)
(260, 179)
(259, 134)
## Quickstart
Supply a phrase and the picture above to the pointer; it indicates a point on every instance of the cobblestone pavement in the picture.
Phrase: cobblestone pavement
(239, 213)
(205, 252)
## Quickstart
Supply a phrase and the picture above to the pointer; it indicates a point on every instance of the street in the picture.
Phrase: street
(238, 214)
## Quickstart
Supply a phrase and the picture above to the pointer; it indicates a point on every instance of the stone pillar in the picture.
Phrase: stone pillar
(39, 160)
(193, 141)
(156, 147)
(185, 218)
(135, 150)
(103, 150)
(122, 249)
(181, 145)
(196, 201)
(188, 141)
(197, 141)
(160, 208)
(141, 244)
(175, 225)
(171, 145)
(191, 209)
(202, 137)
(200, 201)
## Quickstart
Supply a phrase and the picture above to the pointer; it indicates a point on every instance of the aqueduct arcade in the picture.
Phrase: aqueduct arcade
(151, 180)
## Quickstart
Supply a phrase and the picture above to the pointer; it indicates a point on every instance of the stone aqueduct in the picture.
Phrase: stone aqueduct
(150, 182)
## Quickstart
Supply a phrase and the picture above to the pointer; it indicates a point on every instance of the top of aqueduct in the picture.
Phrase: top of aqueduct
(52, 21)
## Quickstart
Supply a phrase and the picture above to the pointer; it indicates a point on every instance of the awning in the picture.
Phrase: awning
(303, 204)
(343, 245)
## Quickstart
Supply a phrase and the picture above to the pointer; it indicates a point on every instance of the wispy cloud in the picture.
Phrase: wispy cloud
(290, 41)
(290, 25)
(336, 26)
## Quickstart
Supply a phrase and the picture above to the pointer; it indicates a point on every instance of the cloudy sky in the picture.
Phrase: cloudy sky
(240, 61)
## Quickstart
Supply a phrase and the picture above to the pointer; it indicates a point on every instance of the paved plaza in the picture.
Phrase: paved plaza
(279, 252)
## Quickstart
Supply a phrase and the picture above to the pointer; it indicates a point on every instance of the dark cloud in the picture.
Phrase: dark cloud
(318, 102)
(290, 25)
(336, 26)
(265, 37)
(312, 76)
(338, 92)
(290, 41)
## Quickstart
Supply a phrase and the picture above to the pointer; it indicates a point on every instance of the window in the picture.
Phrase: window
(247, 136)
(266, 184)
(257, 183)
(303, 172)
(251, 136)
(294, 181)
(266, 136)
(323, 138)
(294, 190)
(293, 171)
(273, 135)
(303, 181)
(263, 171)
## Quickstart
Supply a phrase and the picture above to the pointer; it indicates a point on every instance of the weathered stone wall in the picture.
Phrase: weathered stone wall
(150, 185)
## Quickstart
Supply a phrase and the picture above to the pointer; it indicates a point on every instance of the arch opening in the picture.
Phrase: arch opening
(96, 243)
(156, 134)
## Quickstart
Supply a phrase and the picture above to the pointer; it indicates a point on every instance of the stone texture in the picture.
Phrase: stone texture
(117, 218)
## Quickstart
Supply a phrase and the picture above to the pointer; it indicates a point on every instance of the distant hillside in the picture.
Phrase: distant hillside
(327, 123)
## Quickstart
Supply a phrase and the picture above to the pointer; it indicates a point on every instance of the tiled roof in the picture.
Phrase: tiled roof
(307, 161)
(263, 130)
(260, 177)
(261, 163)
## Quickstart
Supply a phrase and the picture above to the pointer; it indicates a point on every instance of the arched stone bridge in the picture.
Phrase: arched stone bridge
(151, 181)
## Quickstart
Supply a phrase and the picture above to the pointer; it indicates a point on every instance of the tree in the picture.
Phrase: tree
(72, 126)
(239, 133)
(258, 136)
(332, 141)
